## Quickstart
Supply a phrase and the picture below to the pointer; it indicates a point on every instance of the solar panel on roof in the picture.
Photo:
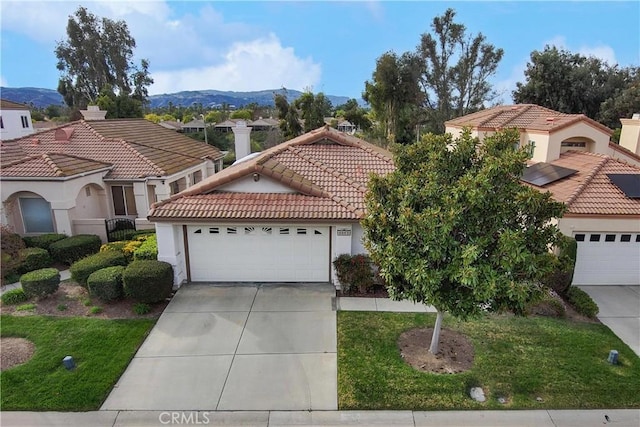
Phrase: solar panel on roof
(542, 174)
(629, 183)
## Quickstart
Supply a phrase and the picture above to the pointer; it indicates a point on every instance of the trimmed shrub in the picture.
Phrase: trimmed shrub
(34, 259)
(355, 272)
(148, 281)
(14, 296)
(148, 249)
(40, 283)
(582, 302)
(81, 270)
(106, 283)
(73, 248)
(10, 246)
(44, 240)
(561, 276)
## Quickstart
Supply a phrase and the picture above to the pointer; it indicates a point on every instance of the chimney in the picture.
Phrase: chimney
(630, 134)
(242, 142)
(93, 112)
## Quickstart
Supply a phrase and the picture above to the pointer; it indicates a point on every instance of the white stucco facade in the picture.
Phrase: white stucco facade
(15, 124)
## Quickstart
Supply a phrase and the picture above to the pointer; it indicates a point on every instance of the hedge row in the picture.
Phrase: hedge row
(40, 283)
(82, 269)
(74, 248)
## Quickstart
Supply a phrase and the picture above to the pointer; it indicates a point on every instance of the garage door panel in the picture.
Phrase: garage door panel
(259, 253)
(607, 263)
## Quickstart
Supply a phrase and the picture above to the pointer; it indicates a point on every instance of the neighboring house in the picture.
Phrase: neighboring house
(193, 126)
(347, 127)
(574, 159)
(279, 216)
(552, 133)
(71, 178)
(602, 196)
(264, 124)
(15, 120)
(229, 124)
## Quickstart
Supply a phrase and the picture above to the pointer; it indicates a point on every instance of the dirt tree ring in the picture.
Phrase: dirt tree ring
(15, 351)
(455, 353)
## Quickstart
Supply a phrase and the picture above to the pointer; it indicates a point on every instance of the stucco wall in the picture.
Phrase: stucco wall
(12, 122)
(357, 245)
(263, 185)
(571, 225)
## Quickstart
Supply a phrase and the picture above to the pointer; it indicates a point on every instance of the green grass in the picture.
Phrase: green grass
(101, 349)
(563, 362)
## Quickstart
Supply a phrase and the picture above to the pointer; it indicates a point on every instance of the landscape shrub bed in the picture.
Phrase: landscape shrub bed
(34, 259)
(44, 240)
(148, 281)
(582, 302)
(10, 246)
(355, 272)
(73, 248)
(148, 249)
(106, 283)
(14, 296)
(40, 283)
(82, 269)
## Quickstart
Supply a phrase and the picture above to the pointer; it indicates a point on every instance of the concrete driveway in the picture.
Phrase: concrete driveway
(236, 347)
(619, 310)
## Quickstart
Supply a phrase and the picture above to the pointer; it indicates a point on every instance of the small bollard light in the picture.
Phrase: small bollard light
(613, 357)
(69, 363)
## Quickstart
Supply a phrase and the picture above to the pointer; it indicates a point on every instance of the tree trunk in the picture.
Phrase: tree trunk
(433, 348)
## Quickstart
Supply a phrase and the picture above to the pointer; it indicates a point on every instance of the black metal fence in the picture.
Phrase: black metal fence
(119, 228)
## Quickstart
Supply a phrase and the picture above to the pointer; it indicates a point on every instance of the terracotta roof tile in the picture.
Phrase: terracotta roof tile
(136, 148)
(589, 191)
(51, 165)
(522, 116)
(329, 169)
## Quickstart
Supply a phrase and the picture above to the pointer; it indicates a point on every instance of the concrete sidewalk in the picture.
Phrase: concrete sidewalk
(516, 418)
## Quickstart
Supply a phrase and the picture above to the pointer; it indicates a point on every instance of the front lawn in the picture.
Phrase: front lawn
(101, 349)
(521, 359)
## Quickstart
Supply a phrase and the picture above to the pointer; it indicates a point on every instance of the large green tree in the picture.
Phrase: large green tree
(313, 109)
(395, 96)
(288, 115)
(457, 68)
(576, 84)
(98, 54)
(453, 226)
(355, 114)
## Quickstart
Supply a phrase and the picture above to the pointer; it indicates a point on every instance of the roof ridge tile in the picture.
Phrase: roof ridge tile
(587, 180)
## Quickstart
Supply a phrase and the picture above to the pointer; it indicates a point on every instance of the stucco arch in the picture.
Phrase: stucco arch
(90, 202)
(578, 143)
(12, 213)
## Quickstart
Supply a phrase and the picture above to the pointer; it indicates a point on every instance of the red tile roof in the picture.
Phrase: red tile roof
(522, 116)
(328, 169)
(52, 165)
(589, 191)
(136, 148)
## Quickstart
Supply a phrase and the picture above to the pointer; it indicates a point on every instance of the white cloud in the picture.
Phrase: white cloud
(601, 51)
(3, 81)
(257, 64)
(376, 9)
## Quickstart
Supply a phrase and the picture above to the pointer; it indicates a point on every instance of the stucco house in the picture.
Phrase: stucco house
(15, 120)
(282, 215)
(575, 160)
(71, 178)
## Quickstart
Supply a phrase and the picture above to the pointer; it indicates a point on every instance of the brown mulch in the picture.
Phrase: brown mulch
(455, 352)
(72, 299)
(376, 292)
(15, 351)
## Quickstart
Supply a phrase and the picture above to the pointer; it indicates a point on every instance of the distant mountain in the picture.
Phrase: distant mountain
(42, 98)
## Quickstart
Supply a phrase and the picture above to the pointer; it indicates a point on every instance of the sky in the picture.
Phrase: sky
(322, 46)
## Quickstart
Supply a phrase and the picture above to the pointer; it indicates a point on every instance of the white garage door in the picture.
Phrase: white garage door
(258, 253)
(607, 259)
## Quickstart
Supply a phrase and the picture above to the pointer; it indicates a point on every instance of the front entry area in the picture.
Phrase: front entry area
(258, 253)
